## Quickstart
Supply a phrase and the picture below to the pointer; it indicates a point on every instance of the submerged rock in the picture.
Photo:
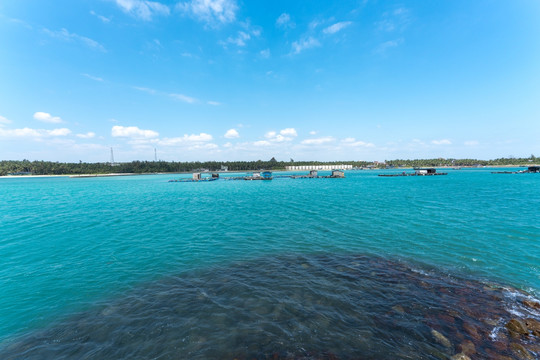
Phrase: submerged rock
(460, 356)
(517, 328)
(521, 352)
(533, 325)
(531, 304)
(441, 339)
(467, 347)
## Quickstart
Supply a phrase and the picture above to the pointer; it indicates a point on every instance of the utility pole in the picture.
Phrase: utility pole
(112, 157)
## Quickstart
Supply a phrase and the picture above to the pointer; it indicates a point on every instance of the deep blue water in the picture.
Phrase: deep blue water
(73, 246)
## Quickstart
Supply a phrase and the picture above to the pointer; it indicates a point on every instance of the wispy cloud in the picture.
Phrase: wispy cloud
(47, 118)
(231, 134)
(189, 140)
(91, 77)
(471, 143)
(213, 103)
(144, 89)
(133, 132)
(265, 53)
(395, 20)
(33, 133)
(332, 29)
(18, 22)
(184, 98)
(143, 9)
(4, 121)
(284, 21)
(303, 44)
(65, 35)
(239, 40)
(441, 142)
(213, 12)
(262, 143)
(352, 142)
(100, 17)
(382, 48)
(88, 135)
(318, 141)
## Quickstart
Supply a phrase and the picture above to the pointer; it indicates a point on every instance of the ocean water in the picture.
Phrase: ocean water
(360, 267)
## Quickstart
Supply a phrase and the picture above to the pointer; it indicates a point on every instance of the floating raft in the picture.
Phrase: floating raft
(194, 180)
(265, 175)
(530, 170)
(418, 172)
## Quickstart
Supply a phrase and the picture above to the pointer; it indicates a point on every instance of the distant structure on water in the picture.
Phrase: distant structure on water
(417, 172)
(530, 170)
(318, 167)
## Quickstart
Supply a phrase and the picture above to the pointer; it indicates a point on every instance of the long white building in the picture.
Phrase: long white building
(318, 167)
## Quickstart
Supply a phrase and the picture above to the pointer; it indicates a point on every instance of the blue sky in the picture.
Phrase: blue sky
(248, 80)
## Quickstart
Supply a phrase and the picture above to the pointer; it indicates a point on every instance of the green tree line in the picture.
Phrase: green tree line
(58, 168)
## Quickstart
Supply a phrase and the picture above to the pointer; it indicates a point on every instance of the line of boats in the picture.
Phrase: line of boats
(338, 173)
(530, 170)
(263, 175)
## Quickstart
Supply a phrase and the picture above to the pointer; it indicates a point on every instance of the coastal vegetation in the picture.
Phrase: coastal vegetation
(58, 168)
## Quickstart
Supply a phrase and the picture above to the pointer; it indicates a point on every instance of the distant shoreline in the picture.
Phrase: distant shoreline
(77, 176)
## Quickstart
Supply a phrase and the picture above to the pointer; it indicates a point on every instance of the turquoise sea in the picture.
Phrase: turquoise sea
(138, 267)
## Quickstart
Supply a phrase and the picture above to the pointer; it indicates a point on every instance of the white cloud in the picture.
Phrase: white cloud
(213, 103)
(332, 29)
(100, 17)
(210, 11)
(388, 45)
(239, 40)
(265, 53)
(143, 9)
(3, 120)
(288, 132)
(47, 118)
(91, 77)
(284, 21)
(33, 133)
(59, 132)
(65, 35)
(318, 141)
(231, 134)
(301, 45)
(441, 142)
(352, 142)
(396, 20)
(262, 143)
(209, 146)
(146, 90)
(183, 98)
(133, 132)
(471, 143)
(186, 140)
(88, 135)
(284, 135)
(313, 132)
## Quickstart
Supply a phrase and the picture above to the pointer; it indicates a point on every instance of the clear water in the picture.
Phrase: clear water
(70, 248)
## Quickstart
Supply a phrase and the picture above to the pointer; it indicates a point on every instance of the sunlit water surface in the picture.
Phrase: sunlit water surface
(361, 267)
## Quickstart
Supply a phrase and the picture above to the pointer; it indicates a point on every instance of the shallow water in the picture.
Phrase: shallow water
(295, 306)
(94, 255)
